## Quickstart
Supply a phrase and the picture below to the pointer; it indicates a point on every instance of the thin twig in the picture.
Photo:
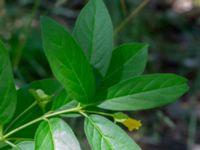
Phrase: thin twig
(11, 144)
(21, 114)
(123, 5)
(131, 15)
(48, 115)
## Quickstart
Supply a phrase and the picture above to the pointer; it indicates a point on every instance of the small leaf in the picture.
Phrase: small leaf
(67, 61)
(8, 94)
(94, 32)
(128, 60)
(102, 134)
(145, 92)
(55, 134)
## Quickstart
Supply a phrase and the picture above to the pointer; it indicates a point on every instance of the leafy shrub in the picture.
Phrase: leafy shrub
(90, 78)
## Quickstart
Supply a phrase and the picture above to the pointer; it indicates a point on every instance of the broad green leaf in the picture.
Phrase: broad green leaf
(128, 60)
(60, 100)
(94, 32)
(67, 61)
(102, 134)
(25, 145)
(55, 134)
(145, 92)
(8, 94)
(25, 99)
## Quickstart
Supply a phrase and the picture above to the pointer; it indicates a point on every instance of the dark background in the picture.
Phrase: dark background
(170, 27)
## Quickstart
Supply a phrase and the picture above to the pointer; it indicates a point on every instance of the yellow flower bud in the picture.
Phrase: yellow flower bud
(130, 123)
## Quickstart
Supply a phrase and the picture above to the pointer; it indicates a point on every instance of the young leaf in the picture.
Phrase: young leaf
(144, 92)
(26, 100)
(8, 94)
(67, 61)
(94, 32)
(102, 134)
(128, 60)
(25, 145)
(55, 134)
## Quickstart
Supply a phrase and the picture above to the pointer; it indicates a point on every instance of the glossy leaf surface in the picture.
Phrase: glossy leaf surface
(145, 92)
(55, 134)
(102, 134)
(67, 61)
(128, 60)
(94, 32)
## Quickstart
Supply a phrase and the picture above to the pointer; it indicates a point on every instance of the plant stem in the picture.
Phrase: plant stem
(100, 113)
(11, 144)
(128, 18)
(21, 114)
(62, 112)
(40, 119)
(22, 127)
(84, 114)
(19, 139)
(123, 5)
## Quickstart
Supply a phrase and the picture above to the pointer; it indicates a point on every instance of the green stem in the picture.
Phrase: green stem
(100, 113)
(84, 114)
(11, 144)
(63, 111)
(19, 139)
(21, 114)
(22, 127)
(128, 18)
(42, 118)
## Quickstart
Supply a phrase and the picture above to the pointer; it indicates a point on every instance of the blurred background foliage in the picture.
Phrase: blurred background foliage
(170, 27)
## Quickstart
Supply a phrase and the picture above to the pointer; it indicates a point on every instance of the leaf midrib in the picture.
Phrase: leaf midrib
(99, 131)
(51, 134)
(139, 93)
(74, 72)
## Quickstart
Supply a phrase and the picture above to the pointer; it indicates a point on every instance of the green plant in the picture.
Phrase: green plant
(90, 78)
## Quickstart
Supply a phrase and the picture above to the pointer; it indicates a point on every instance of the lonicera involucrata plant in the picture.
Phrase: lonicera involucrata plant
(91, 77)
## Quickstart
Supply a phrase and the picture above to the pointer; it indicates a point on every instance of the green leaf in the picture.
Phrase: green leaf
(94, 32)
(25, 145)
(61, 99)
(102, 134)
(25, 99)
(128, 60)
(8, 94)
(2, 145)
(67, 61)
(63, 102)
(145, 92)
(55, 134)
